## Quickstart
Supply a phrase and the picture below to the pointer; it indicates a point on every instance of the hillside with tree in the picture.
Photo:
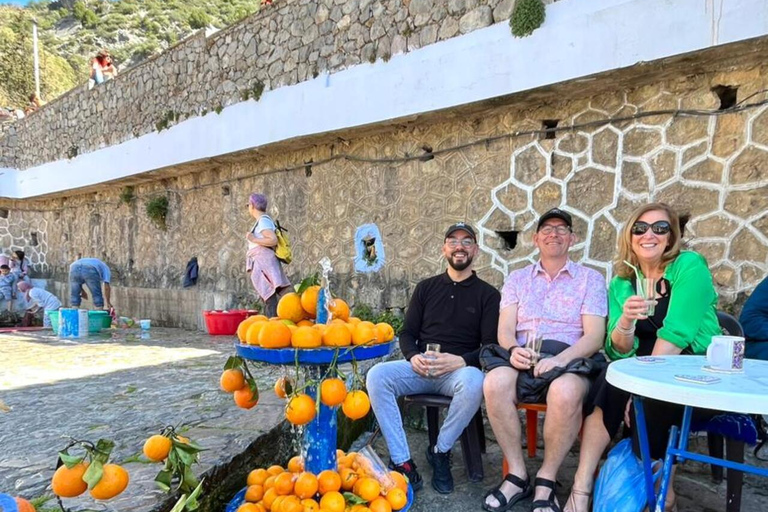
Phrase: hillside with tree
(72, 31)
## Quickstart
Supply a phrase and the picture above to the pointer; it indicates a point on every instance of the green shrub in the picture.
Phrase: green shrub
(199, 19)
(157, 211)
(527, 16)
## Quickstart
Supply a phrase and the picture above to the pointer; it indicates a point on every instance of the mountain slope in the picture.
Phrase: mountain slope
(71, 32)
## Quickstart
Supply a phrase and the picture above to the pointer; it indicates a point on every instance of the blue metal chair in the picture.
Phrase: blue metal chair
(731, 430)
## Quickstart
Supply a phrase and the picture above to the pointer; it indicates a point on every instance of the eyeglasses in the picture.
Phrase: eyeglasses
(465, 242)
(560, 230)
(660, 227)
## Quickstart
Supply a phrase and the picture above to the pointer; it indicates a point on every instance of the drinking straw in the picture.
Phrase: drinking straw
(637, 276)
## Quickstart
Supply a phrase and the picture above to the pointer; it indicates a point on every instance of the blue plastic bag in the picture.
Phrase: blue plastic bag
(620, 485)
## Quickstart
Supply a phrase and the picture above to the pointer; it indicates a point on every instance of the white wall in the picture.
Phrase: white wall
(579, 38)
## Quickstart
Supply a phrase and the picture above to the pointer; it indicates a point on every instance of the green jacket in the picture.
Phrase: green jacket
(691, 319)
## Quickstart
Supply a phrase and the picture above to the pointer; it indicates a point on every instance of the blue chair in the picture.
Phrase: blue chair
(731, 430)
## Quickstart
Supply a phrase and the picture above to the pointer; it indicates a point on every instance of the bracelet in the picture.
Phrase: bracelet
(625, 332)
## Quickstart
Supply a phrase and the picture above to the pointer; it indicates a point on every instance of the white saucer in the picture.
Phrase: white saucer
(709, 368)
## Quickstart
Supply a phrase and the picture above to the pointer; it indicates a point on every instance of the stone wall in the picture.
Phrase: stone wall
(286, 43)
(712, 167)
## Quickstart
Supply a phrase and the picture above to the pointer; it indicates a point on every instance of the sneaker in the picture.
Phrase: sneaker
(442, 479)
(408, 469)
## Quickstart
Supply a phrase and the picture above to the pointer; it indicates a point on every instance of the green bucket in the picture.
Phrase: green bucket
(54, 318)
(97, 320)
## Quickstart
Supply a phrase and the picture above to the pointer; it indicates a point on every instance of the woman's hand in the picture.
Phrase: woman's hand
(251, 238)
(635, 308)
(627, 416)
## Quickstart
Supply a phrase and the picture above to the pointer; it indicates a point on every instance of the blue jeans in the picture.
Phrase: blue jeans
(80, 275)
(756, 350)
(387, 381)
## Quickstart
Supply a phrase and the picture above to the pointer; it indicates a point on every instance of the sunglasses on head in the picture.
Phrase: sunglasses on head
(660, 227)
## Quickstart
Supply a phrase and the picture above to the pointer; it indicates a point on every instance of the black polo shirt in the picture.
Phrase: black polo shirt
(460, 316)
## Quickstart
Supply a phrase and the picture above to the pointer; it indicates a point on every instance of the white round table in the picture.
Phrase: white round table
(745, 393)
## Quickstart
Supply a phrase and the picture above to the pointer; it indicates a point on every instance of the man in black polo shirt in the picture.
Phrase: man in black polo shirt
(460, 312)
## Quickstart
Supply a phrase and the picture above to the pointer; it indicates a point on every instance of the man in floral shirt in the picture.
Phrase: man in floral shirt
(560, 301)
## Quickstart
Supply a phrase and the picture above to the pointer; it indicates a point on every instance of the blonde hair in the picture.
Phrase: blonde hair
(625, 239)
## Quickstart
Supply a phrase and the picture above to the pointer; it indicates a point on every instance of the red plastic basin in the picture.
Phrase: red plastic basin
(225, 323)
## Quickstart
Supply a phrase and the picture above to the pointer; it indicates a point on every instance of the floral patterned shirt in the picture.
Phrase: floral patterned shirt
(554, 306)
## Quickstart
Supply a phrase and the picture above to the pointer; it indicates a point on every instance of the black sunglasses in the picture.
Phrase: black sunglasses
(660, 227)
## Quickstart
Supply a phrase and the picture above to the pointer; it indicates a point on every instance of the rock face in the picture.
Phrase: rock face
(289, 42)
(713, 168)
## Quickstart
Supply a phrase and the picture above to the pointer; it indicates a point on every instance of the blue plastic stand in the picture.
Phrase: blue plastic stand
(319, 443)
(8, 504)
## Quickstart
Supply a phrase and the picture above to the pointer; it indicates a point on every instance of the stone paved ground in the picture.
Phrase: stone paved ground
(122, 387)
(695, 489)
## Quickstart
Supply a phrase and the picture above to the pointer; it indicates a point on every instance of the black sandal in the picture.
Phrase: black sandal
(525, 491)
(550, 502)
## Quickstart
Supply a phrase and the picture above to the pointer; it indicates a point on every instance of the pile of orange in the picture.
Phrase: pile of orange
(294, 326)
(275, 489)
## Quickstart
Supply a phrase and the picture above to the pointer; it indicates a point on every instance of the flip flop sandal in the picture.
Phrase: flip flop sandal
(550, 502)
(504, 504)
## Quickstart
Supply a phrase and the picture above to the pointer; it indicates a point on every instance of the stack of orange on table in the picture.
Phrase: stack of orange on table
(294, 326)
(351, 487)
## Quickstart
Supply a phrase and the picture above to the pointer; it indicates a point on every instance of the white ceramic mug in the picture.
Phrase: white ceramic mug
(726, 353)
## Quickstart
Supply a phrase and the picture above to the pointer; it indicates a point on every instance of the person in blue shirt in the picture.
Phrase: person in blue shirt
(91, 272)
(754, 320)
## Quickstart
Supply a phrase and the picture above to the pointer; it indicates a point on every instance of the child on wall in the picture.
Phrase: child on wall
(7, 285)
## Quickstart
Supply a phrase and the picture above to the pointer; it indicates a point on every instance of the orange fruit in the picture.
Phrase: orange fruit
(277, 503)
(157, 448)
(339, 309)
(244, 398)
(296, 464)
(400, 481)
(291, 504)
(306, 485)
(367, 488)
(275, 469)
(254, 493)
(113, 482)
(353, 320)
(364, 334)
(310, 505)
(350, 327)
(300, 410)
(336, 335)
(252, 334)
(306, 337)
(68, 483)
(333, 392)
(269, 483)
(24, 506)
(289, 308)
(242, 329)
(356, 405)
(347, 460)
(275, 334)
(397, 497)
(283, 387)
(384, 332)
(332, 501)
(309, 300)
(328, 481)
(284, 483)
(380, 504)
(249, 507)
(348, 478)
(269, 498)
(231, 380)
(257, 476)
(305, 323)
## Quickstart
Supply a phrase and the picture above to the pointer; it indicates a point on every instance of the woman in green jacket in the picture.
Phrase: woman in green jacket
(684, 321)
